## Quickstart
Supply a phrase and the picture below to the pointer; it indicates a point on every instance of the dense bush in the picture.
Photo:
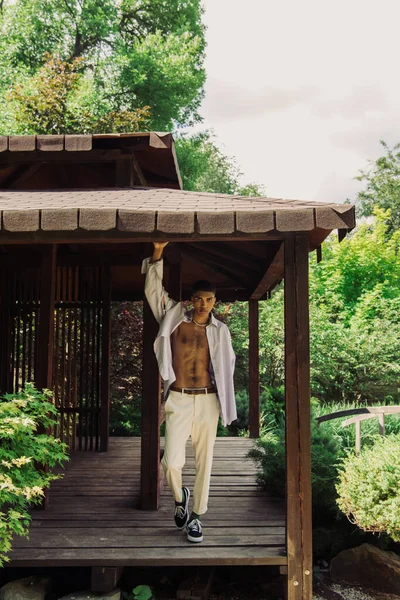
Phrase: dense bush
(126, 368)
(269, 453)
(330, 443)
(368, 487)
(25, 452)
(271, 408)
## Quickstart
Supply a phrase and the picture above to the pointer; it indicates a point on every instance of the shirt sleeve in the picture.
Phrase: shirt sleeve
(157, 297)
(232, 356)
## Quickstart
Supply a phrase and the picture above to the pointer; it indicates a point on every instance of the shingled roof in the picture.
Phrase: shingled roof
(148, 210)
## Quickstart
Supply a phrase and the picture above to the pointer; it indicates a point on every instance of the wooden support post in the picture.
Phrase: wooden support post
(358, 436)
(105, 359)
(381, 419)
(124, 172)
(104, 579)
(197, 587)
(44, 369)
(150, 440)
(298, 437)
(254, 371)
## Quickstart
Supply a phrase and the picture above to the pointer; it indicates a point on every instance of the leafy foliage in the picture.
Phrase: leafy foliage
(54, 101)
(382, 187)
(354, 322)
(131, 55)
(126, 368)
(368, 487)
(25, 452)
(269, 453)
(204, 168)
(140, 592)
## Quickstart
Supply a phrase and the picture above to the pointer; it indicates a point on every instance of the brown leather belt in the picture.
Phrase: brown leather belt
(194, 391)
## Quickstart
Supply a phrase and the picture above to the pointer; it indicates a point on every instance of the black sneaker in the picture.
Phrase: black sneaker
(194, 532)
(181, 515)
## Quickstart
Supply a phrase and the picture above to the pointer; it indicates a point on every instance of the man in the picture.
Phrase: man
(196, 362)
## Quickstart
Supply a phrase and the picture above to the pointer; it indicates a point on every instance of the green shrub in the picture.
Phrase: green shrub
(270, 455)
(368, 487)
(25, 452)
(125, 419)
(272, 408)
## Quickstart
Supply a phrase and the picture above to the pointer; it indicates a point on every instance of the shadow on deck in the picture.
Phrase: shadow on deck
(92, 519)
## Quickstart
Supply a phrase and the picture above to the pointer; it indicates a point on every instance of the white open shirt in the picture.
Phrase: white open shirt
(170, 314)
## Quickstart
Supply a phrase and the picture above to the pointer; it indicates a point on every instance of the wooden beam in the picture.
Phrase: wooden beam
(232, 256)
(105, 359)
(273, 274)
(39, 157)
(254, 371)
(44, 369)
(117, 236)
(298, 437)
(150, 434)
(124, 176)
(138, 171)
(25, 176)
(211, 264)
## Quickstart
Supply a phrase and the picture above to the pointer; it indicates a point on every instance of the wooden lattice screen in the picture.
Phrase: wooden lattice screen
(19, 314)
(81, 331)
(78, 355)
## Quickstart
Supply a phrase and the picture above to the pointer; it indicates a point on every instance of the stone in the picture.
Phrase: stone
(369, 567)
(27, 588)
(115, 594)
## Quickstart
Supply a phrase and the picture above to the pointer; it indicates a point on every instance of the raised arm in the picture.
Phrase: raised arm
(156, 295)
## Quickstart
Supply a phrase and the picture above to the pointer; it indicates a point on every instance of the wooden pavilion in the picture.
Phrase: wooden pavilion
(78, 215)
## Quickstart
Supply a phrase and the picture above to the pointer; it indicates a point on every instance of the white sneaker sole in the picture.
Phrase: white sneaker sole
(194, 540)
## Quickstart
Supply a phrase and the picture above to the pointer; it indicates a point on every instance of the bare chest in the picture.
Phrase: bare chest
(189, 337)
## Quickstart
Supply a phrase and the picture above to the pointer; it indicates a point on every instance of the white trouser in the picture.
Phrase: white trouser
(195, 416)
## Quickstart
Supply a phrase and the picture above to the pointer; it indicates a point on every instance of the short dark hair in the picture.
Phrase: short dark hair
(203, 285)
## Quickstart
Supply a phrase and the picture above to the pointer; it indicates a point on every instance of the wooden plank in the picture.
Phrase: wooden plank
(254, 371)
(149, 556)
(95, 529)
(272, 275)
(105, 359)
(44, 370)
(298, 438)
(220, 525)
(127, 538)
(150, 438)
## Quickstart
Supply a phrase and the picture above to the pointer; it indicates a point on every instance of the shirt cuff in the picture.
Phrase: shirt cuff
(146, 265)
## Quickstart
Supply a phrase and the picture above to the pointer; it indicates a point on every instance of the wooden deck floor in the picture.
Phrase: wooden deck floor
(92, 519)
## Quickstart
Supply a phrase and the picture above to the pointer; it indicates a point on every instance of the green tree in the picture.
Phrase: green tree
(382, 187)
(354, 321)
(134, 54)
(204, 168)
(27, 458)
(51, 101)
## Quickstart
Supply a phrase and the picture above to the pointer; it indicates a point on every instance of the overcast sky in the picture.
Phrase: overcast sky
(301, 91)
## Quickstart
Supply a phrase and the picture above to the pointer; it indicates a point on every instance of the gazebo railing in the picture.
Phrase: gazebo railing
(362, 414)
